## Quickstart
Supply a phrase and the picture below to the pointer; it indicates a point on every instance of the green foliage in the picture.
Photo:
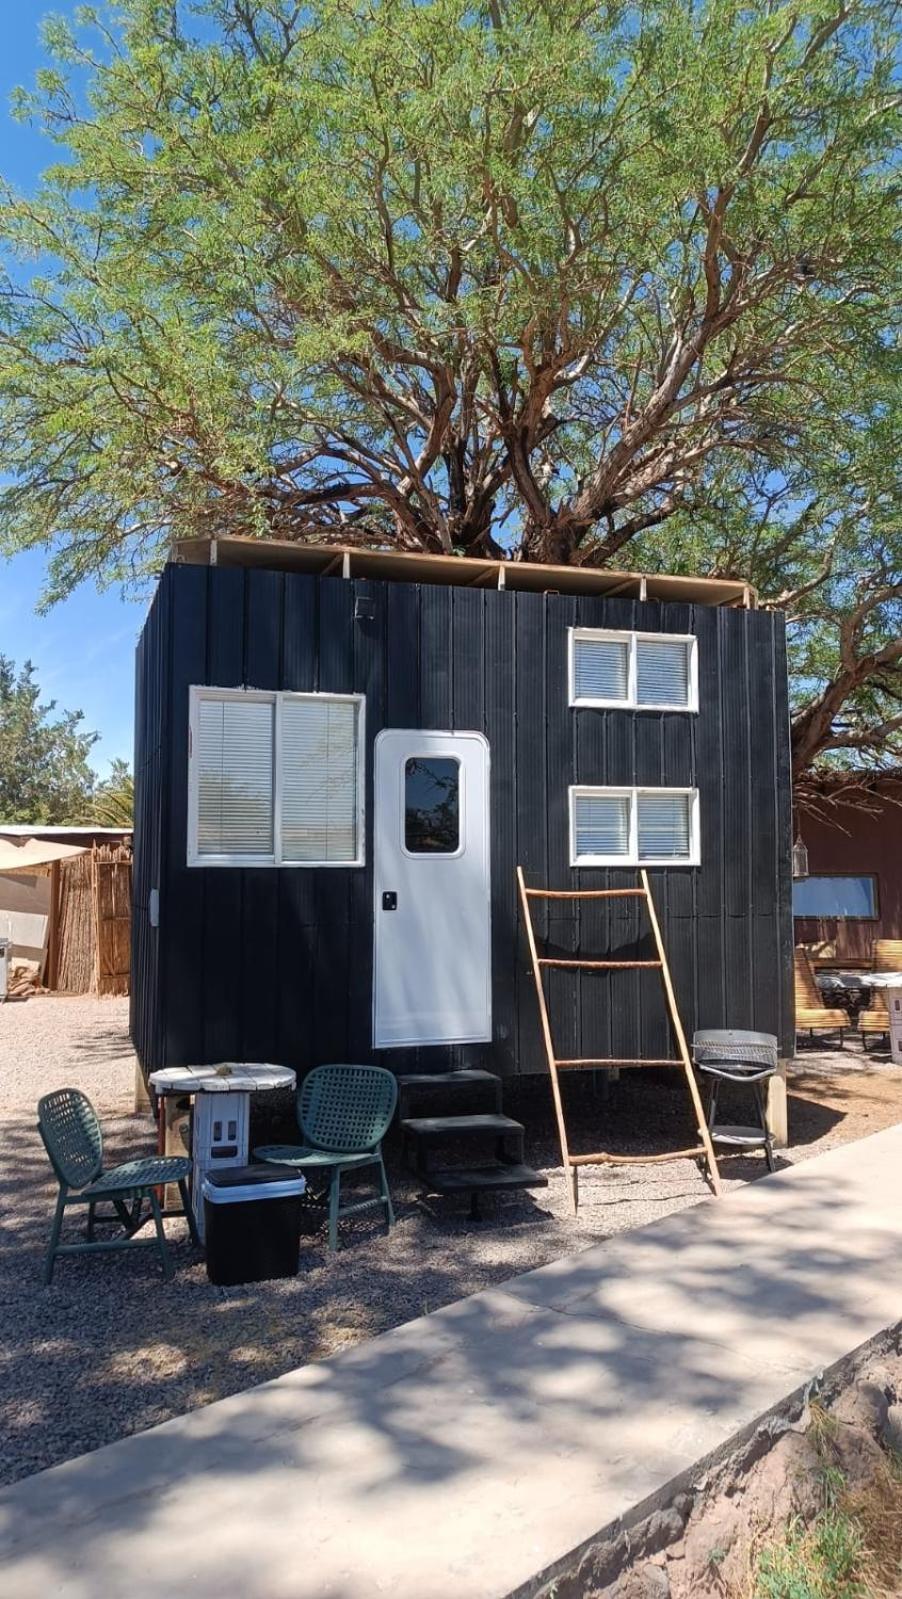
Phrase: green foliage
(503, 277)
(819, 1562)
(44, 771)
(113, 804)
(820, 539)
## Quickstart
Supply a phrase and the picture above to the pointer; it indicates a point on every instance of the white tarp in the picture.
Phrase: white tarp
(27, 854)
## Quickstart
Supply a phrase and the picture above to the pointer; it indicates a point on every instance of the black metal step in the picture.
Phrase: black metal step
(464, 1180)
(469, 1089)
(446, 1079)
(460, 1126)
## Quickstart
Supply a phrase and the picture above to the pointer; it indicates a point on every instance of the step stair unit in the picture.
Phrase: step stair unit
(435, 1109)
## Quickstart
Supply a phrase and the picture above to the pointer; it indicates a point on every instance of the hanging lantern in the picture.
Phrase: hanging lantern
(799, 858)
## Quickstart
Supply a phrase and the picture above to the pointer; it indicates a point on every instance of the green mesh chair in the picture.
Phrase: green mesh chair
(343, 1114)
(71, 1135)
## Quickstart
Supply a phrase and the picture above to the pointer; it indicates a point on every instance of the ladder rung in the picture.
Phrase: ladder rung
(609, 1061)
(599, 966)
(586, 893)
(604, 1159)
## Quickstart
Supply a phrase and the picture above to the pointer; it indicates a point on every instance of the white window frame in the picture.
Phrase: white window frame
(631, 858)
(276, 697)
(630, 636)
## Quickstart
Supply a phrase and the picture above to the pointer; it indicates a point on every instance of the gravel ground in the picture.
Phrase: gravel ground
(109, 1349)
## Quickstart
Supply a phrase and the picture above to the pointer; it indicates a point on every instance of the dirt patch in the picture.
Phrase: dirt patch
(810, 1507)
(846, 1094)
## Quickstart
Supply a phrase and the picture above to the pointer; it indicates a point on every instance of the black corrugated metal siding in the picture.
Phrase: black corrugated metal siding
(264, 964)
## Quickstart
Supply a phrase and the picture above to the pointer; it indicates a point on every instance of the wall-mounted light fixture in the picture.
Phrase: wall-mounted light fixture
(364, 609)
(799, 858)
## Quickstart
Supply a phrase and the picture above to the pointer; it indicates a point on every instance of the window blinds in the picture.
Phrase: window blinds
(634, 826)
(601, 824)
(319, 780)
(662, 672)
(632, 670)
(235, 777)
(601, 669)
(663, 823)
(276, 778)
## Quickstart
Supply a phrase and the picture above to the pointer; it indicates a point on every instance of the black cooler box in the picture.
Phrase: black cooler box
(252, 1222)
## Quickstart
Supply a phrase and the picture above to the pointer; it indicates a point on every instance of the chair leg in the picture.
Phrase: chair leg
(712, 1103)
(761, 1102)
(91, 1209)
(55, 1231)
(130, 1217)
(386, 1194)
(188, 1209)
(334, 1206)
(161, 1236)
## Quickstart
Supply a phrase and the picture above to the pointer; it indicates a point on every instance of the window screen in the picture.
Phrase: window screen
(662, 672)
(663, 825)
(632, 670)
(235, 777)
(431, 805)
(601, 824)
(635, 826)
(835, 896)
(601, 668)
(319, 780)
(276, 778)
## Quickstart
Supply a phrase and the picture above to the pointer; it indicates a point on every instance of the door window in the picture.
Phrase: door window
(431, 805)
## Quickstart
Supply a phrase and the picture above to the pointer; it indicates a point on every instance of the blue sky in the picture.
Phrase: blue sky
(83, 650)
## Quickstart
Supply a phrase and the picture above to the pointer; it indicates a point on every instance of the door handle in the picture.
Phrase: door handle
(390, 900)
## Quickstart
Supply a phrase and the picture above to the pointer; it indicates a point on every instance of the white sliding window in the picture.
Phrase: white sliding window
(633, 671)
(275, 779)
(634, 827)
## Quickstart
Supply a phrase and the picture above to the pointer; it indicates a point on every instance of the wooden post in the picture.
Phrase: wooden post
(53, 928)
(777, 1112)
(142, 1097)
(95, 916)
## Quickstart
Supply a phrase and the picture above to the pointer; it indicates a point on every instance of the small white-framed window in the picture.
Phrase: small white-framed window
(634, 826)
(630, 670)
(275, 779)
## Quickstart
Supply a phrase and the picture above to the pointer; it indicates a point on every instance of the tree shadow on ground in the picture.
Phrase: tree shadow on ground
(547, 1371)
(109, 1349)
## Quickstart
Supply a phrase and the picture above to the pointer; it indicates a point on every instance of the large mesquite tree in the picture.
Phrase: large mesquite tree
(523, 277)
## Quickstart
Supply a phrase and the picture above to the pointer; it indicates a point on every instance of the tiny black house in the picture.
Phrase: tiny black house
(341, 758)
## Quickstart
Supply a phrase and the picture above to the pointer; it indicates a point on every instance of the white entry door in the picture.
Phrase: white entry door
(432, 967)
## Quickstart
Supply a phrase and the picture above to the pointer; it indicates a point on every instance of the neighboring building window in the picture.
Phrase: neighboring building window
(635, 671)
(275, 779)
(431, 805)
(634, 827)
(844, 897)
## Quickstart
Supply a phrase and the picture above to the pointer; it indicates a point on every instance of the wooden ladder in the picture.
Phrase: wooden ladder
(704, 1149)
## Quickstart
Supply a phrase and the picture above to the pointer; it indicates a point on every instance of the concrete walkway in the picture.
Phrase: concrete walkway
(462, 1454)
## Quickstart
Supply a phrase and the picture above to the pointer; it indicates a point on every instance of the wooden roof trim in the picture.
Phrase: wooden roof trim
(465, 571)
